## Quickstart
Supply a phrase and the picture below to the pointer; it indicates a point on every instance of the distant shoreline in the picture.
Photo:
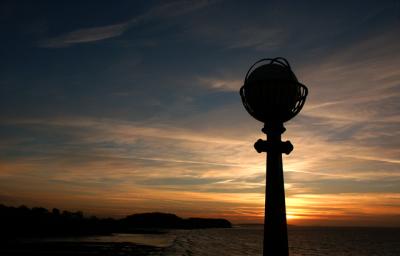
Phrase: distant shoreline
(40, 222)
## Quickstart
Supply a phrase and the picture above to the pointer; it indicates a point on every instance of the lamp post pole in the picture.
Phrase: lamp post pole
(275, 226)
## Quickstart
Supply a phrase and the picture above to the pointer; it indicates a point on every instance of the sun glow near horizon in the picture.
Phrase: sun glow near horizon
(226, 180)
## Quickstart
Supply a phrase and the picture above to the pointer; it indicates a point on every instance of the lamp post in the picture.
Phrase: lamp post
(272, 94)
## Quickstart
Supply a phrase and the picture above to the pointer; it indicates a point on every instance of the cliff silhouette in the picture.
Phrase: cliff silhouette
(40, 222)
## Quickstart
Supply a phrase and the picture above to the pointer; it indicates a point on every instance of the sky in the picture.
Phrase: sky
(120, 107)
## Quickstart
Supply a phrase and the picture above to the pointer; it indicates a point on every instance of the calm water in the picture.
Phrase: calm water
(238, 241)
(302, 242)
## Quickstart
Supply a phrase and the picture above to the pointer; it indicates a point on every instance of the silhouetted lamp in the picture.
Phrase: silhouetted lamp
(272, 94)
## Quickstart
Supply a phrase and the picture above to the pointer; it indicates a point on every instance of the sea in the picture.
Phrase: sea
(303, 241)
(236, 241)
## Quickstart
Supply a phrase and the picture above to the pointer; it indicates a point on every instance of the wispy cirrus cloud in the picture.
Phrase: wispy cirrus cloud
(221, 84)
(85, 35)
(93, 34)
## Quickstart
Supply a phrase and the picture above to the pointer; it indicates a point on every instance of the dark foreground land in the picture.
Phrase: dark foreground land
(77, 248)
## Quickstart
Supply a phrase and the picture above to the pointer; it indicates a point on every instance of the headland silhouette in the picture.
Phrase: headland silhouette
(40, 222)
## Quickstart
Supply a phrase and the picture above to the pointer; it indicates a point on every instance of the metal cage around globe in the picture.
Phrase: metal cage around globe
(271, 92)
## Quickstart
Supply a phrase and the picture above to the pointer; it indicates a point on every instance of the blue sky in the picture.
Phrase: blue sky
(114, 107)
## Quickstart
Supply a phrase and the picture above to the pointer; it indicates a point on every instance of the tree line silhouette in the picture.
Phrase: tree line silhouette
(40, 222)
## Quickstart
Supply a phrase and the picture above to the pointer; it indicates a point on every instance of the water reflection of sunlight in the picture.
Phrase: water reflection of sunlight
(158, 240)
